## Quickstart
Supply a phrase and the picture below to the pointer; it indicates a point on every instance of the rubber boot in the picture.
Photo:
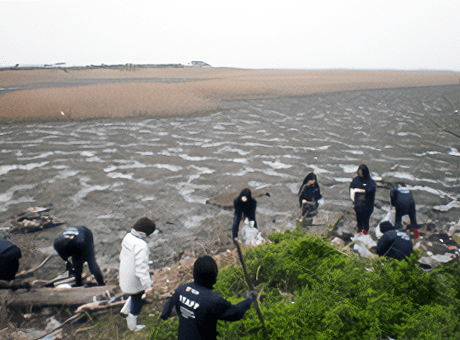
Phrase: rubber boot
(132, 323)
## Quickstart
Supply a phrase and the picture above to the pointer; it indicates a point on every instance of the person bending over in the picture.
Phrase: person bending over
(199, 307)
(77, 243)
(245, 206)
(393, 243)
(403, 201)
(309, 196)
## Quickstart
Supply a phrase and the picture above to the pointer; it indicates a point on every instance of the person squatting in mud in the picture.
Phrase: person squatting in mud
(199, 307)
(401, 198)
(9, 260)
(245, 206)
(309, 196)
(393, 243)
(362, 193)
(134, 269)
(77, 243)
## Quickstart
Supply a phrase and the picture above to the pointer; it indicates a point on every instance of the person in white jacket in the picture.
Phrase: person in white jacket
(134, 268)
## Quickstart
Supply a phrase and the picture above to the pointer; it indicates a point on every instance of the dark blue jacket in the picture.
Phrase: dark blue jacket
(9, 260)
(402, 199)
(311, 192)
(82, 246)
(364, 201)
(246, 209)
(199, 308)
(9, 250)
(395, 244)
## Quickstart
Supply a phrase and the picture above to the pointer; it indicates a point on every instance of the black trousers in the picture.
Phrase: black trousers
(78, 262)
(136, 303)
(400, 212)
(363, 216)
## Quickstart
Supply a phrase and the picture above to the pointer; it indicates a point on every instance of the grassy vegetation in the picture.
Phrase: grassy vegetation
(309, 290)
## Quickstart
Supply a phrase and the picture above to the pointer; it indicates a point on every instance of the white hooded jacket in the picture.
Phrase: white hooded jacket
(134, 263)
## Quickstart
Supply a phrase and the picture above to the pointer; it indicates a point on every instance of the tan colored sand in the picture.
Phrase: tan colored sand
(204, 91)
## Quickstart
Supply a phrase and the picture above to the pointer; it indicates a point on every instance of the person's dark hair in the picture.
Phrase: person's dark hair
(386, 226)
(363, 171)
(246, 192)
(145, 225)
(64, 246)
(205, 271)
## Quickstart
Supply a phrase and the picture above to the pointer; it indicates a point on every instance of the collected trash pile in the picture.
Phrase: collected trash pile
(34, 219)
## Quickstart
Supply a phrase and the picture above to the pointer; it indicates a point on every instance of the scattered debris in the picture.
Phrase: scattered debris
(34, 219)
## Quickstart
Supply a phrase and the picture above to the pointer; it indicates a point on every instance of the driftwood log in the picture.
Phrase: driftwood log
(225, 200)
(55, 297)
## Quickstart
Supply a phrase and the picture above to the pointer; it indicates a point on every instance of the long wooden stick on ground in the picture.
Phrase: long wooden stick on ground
(251, 286)
(34, 269)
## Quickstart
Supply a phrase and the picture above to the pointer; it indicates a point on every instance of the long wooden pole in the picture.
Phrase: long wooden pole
(251, 286)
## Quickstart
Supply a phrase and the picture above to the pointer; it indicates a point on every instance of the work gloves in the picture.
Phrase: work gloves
(69, 267)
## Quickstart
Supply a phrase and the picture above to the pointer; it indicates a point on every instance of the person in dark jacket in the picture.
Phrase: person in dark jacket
(309, 196)
(9, 260)
(403, 201)
(393, 243)
(245, 206)
(199, 307)
(77, 243)
(362, 193)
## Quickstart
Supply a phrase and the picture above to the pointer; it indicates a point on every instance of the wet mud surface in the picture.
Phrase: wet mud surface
(106, 174)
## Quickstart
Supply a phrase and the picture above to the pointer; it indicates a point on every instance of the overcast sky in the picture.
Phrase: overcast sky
(297, 34)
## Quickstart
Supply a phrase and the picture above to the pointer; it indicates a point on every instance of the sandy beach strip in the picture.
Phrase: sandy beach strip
(83, 93)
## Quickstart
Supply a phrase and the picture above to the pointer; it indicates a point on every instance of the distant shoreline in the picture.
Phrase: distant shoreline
(68, 93)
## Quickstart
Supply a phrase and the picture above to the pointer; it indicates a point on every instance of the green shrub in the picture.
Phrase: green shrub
(309, 290)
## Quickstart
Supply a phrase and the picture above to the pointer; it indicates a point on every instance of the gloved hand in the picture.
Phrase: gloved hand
(69, 267)
(252, 294)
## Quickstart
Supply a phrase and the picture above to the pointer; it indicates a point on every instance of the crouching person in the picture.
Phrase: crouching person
(309, 196)
(199, 307)
(77, 243)
(393, 243)
(134, 268)
(9, 260)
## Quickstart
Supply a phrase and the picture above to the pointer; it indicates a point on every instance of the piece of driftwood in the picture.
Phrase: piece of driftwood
(60, 279)
(36, 268)
(15, 284)
(42, 297)
(225, 200)
(99, 306)
(69, 320)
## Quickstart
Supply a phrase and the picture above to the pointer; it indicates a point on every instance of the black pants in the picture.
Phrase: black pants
(400, 212)
(363, 216)
(136, 303)
(308, 209)
(78, 262)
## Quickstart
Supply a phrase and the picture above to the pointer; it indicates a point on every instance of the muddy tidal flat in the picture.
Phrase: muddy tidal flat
(104, 147)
